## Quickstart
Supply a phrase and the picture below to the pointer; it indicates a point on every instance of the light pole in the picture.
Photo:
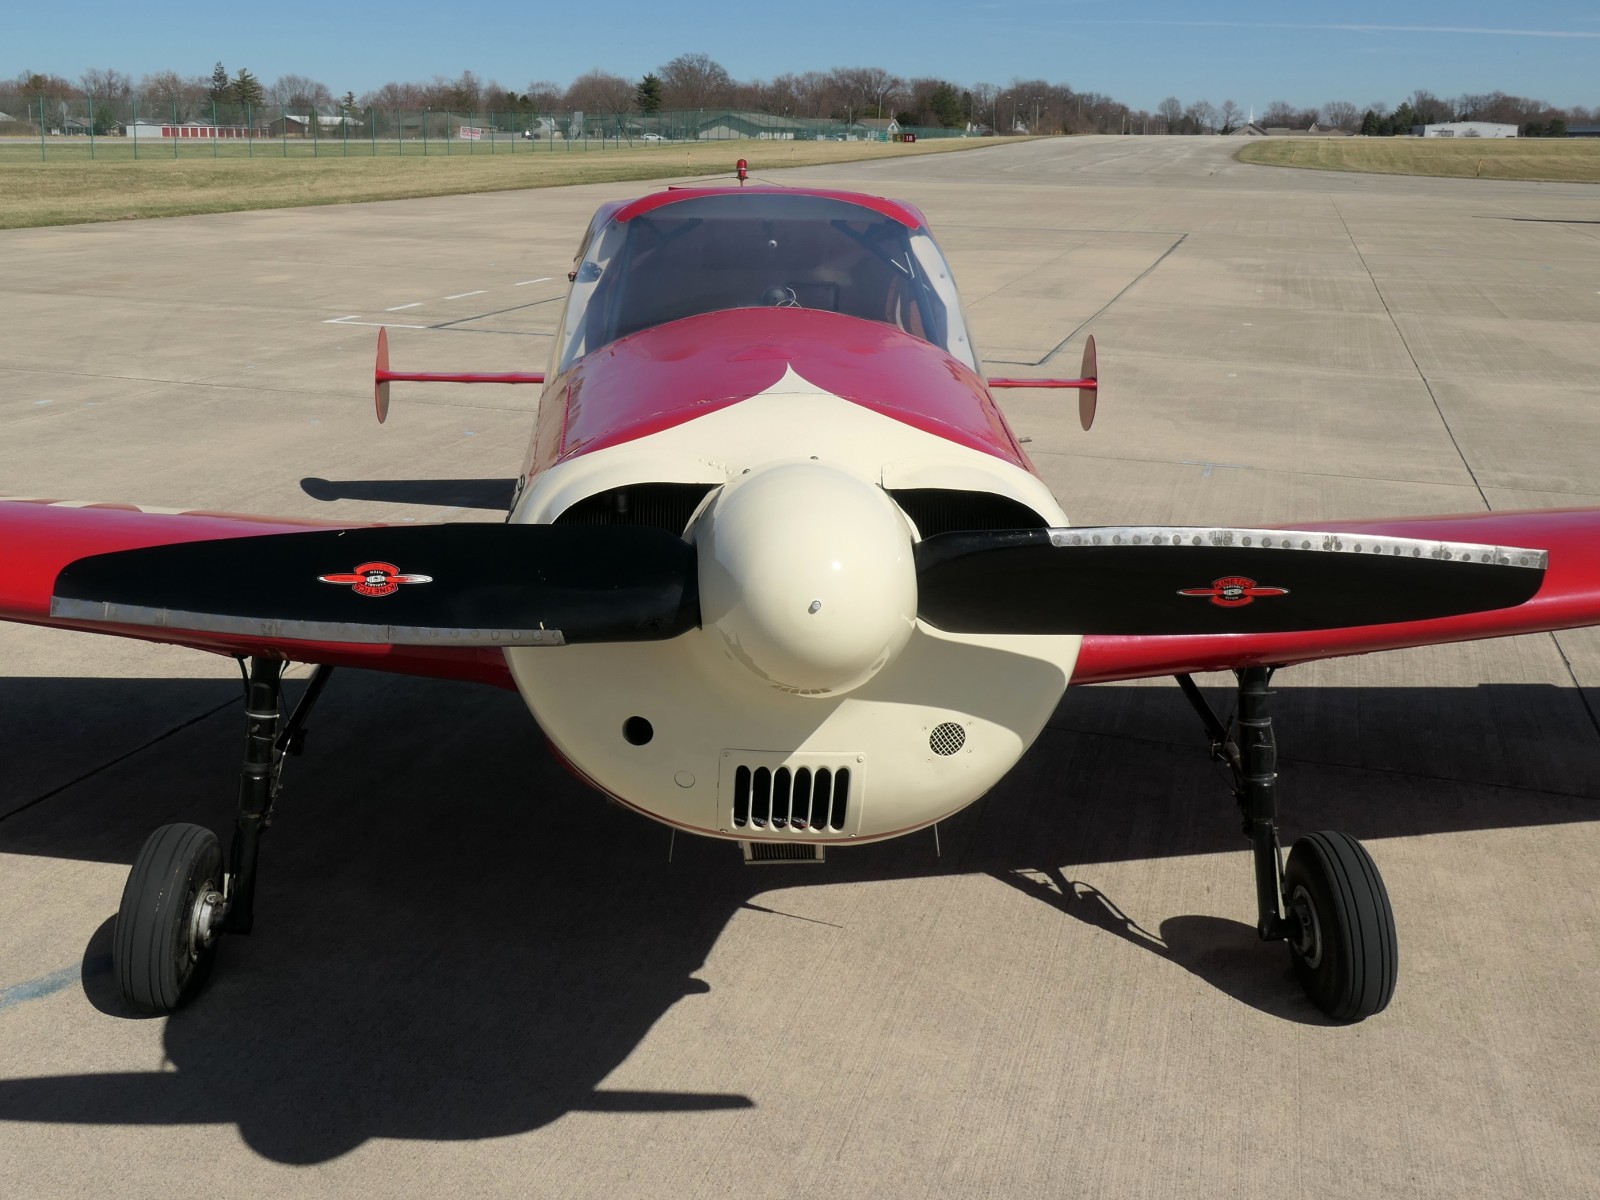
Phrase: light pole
(1034, 128)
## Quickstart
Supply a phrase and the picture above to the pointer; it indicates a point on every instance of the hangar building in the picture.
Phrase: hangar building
(1484, 129)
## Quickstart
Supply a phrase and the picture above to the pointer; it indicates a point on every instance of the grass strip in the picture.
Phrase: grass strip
(1549, 160)
(76, 192)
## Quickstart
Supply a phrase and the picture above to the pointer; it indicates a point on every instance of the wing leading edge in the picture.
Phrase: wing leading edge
(1568, 599)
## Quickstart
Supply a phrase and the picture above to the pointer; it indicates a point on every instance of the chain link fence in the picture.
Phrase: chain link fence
(81, 128)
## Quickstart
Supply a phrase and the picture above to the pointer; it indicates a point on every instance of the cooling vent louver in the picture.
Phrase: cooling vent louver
(778, 794)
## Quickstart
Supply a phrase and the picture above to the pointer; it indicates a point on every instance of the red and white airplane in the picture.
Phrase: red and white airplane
(777, 571)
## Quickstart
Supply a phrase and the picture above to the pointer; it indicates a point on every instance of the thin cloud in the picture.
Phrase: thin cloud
(1347, 28)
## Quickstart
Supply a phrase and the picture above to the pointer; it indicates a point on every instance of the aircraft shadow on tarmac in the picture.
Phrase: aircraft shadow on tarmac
(455, 939)
(495, 494)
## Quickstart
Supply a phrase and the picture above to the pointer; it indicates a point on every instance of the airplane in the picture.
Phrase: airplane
(777, 571)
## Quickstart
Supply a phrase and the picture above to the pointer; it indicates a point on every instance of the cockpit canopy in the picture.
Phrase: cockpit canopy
(720, 251)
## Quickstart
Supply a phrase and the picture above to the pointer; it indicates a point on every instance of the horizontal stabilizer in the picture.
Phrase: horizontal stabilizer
(1168, 580)
(460, 584)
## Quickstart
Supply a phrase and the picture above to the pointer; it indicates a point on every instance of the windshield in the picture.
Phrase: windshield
(712, 253)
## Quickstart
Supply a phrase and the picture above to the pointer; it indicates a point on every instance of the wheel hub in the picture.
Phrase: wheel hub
(1305, 928)
(204, 918)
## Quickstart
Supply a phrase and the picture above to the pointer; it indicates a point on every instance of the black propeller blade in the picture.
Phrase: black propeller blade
(1148, 581)
(460, 584)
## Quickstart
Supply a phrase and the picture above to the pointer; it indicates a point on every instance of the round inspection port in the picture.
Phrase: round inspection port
(638, 731)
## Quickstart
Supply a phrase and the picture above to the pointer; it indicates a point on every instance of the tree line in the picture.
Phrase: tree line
(697, 81)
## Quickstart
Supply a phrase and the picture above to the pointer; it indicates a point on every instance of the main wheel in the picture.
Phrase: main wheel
(163, 946)
(1342, 934)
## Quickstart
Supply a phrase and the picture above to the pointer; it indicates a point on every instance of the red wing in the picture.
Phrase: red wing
(1569, 598)
(39, 538)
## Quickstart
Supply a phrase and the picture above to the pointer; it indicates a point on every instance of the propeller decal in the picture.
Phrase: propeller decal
(375, 579)
(1233, 591)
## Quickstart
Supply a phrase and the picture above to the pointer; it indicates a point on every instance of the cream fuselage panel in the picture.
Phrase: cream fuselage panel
(732, 694)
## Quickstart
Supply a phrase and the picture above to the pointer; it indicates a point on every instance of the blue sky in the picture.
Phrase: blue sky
(1358, 51)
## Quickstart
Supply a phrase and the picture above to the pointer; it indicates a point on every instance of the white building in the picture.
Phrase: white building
(1484, 129)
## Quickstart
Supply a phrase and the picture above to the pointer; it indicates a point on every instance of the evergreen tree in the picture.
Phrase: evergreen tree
(1556, 128)
(217, 91)
(647, 95)
(245, 90)
(946, 106)
(1369, 124)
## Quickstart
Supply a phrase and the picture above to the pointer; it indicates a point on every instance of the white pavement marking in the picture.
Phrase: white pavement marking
(462, 295)
(351, 320)
(526, 282)
(398, 307)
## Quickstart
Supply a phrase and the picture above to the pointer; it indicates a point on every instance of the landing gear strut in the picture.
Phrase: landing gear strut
(178, 898)
(1329, 903)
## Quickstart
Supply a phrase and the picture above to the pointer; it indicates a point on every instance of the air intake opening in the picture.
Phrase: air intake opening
(952, 510)
(789, 798)
(660, 505)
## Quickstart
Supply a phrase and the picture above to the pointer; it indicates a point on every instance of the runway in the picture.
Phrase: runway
(472, 976)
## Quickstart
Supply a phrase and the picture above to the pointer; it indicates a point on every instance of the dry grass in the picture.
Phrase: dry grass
(1574, 160)
(68, 193)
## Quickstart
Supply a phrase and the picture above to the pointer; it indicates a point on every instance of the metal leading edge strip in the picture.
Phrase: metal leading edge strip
(309, 631)
(1289, 539)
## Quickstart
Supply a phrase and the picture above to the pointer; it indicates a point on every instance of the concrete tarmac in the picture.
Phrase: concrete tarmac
(471, 976)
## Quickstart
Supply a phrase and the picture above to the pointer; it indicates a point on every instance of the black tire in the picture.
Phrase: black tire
(158, 962)
(1342, 936)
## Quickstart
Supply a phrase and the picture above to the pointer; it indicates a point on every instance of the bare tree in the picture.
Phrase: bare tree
(983, 98)
(1202, 115)
(694, 81)
(299, 91)
(597, 91)
(1229, 112)
(1429, 108)
(544, 96)
(392, 96)
(1341, 114)
(864, 90)
(170, 95)
(105, 85)
(463, 94)
(1282, 115)
(1171, 110)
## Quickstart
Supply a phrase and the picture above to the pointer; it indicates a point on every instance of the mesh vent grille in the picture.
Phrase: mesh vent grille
(767, 852)
(947, 738)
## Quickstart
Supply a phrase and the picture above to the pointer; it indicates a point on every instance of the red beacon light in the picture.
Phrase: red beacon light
(743, 168)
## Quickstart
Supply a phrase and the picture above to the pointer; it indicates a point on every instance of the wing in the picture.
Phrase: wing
(1569, 597)
(40, 538)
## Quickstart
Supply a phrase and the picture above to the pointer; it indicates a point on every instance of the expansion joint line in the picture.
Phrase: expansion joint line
(1415, 365)
(109, 763)
(1583, 694)
(1097, 314)
(1572, 674)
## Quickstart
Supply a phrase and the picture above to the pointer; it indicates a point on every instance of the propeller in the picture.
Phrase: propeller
(458, 584)
(508, 585)
(1171, 580)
